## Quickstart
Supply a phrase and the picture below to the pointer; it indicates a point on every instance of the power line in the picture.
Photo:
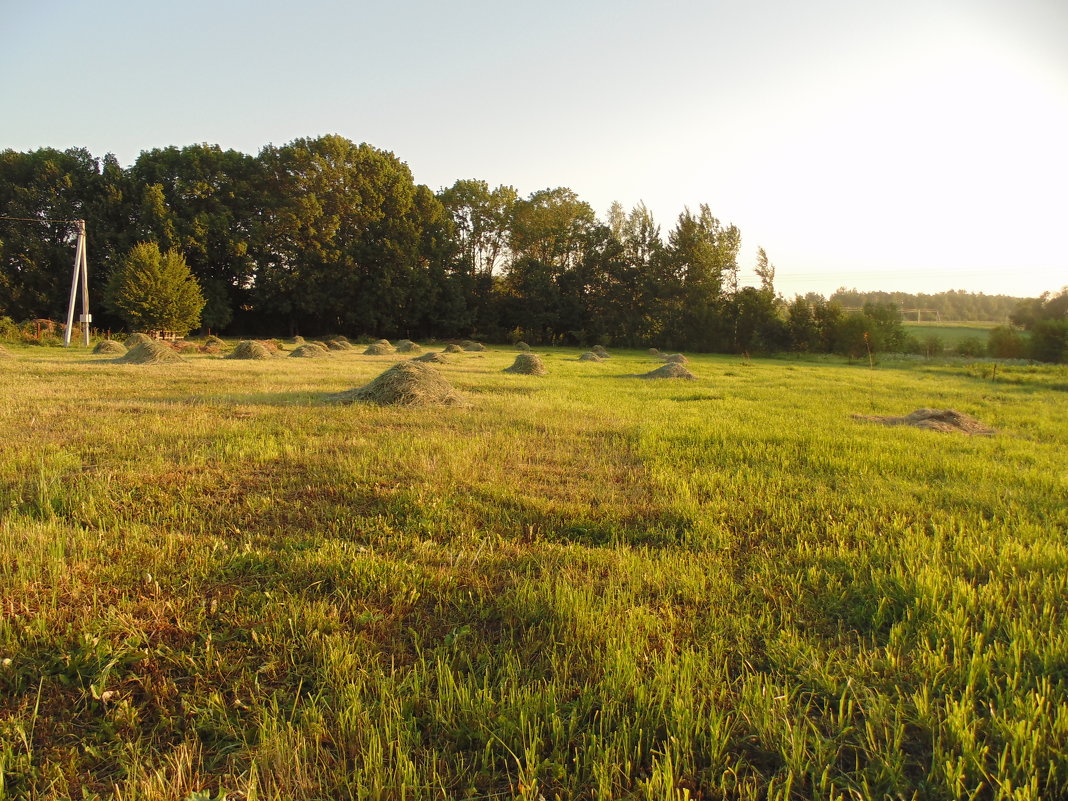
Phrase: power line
(37, 220)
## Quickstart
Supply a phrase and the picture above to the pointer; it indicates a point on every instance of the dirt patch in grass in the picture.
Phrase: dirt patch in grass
(409, 383)
(948, 421)
(109, 347)
(150, 352)
(310, 350)
(527, 364)
(250, 349)
(670, 370)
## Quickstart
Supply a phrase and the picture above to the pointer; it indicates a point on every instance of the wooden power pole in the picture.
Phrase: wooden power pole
(81, 274)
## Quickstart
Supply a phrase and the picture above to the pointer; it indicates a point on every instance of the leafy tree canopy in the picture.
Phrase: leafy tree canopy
(155, 291)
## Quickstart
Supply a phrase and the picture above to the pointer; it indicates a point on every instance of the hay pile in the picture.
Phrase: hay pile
(405, 384)
(947, 421)
(250, 349)
(474, 346)
(670, 370)
(385, 342)
(150, 352)
(590, 356)
(432, 358)
(527, 364)
(297, 340)
(211, 349)
(452, 347)
(134, 340)
(6, 354)
(523, 346)
(600, 351)
(407, 346)
(654, 352)
(310, 350)
(183, 346)
(675, 358)
(214, 341)
(109, 347)
(339, 344)
(378, 349)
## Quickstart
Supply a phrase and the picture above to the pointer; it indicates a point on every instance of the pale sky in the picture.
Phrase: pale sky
(913, 145)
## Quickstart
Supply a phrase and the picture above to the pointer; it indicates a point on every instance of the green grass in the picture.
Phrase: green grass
(951, 334)
(585, 585)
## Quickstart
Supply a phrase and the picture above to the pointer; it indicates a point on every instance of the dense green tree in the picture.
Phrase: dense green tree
(154, 291)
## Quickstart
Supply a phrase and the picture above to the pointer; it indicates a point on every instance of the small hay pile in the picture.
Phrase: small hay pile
(527, 364)
(474, 346)
(250, 349)
(523, 346)
(670, 370)
(675, 358)
(183, 346)
(452, 347)
(432, 358)
(214, 341)
(947, 421)
(590, 356)
(385, 342)
(109, 347)
(150, 352)
(297, 340)
(134, 340)
(310, 350)
(600, 351)
(339, 344)
(654, 352)
(405, 384)
(378, 349)
(407, 346)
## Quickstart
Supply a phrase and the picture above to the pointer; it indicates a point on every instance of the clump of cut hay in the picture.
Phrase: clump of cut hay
(378, 349)
(432, 358)
(213, 349)
(600, 351)
(403, 342)
(339, 344)
(670, 370)
(675, 358)
(183, 346)
(385, 342)
(214, 340)
(405, 384)
(947, 421)
(6, 354)
(150, 352)
(317, 344)
(406, 346)
(310, 350)
(590, 356)
(136, 339)
(523, 346)
(297, 340)
(527, 364)
(273, 345)
(654, 352)
(474, 346)
(452, 347)
(109, 347)
(250, 349)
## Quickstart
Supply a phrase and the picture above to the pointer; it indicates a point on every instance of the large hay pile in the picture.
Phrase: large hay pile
(947, 421)
(378, 349)
(109, 347)
(670, 370)
(150, 352)
(600, 351)
(474, 346)
(590, 356)
(527, 364)
(250, 349)
(310, 350)
(405, 384)
(134, 340)
(452, 347)
(407, 346)
(675, 358)
(432, 358)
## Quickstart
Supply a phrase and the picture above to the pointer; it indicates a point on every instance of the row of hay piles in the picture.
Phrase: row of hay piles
(150, 352)
(109, 347)
(945, 420)
(527, 364)
(250, 349)
(310, 350)
(409, 383)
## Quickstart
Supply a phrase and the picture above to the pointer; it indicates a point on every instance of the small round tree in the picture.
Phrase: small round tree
(155, 291)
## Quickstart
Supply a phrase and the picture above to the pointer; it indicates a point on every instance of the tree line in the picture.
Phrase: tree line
(323, 235)
(955, 305)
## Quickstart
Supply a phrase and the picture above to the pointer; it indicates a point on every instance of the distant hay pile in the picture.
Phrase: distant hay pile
(432, 358)
(134, 340)
(214, 340)
(339, 344)
(654, 352)
(670, 370)
(948, 421)
(383, 342)
(297, 340)
(675, 358)
(407, 346)
(378, 349)
(310, 350)
(109, 347)
(473, 346)
(452, 347)
(250, 349)
(150, 352)
(522, 346)
(527, 364)
(182, 346)
(408, 383)
(590, 356)
(600, 351)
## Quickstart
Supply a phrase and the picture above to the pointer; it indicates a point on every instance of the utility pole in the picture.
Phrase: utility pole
(81, 271)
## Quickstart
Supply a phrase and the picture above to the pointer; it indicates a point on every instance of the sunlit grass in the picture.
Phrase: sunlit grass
(582, 585)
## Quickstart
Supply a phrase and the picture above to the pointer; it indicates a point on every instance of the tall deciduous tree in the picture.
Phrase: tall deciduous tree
(155, 291)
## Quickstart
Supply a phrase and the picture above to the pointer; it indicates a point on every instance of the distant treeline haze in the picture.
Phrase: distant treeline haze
(325, 235)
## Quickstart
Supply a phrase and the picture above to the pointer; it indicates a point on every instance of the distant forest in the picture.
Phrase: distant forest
(327, 236)
(954, 305)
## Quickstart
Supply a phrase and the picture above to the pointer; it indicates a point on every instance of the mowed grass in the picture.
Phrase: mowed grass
(951, 334)
(584, 585)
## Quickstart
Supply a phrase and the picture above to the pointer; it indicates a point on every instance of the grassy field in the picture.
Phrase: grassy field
(951, 334)
(214, 583)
